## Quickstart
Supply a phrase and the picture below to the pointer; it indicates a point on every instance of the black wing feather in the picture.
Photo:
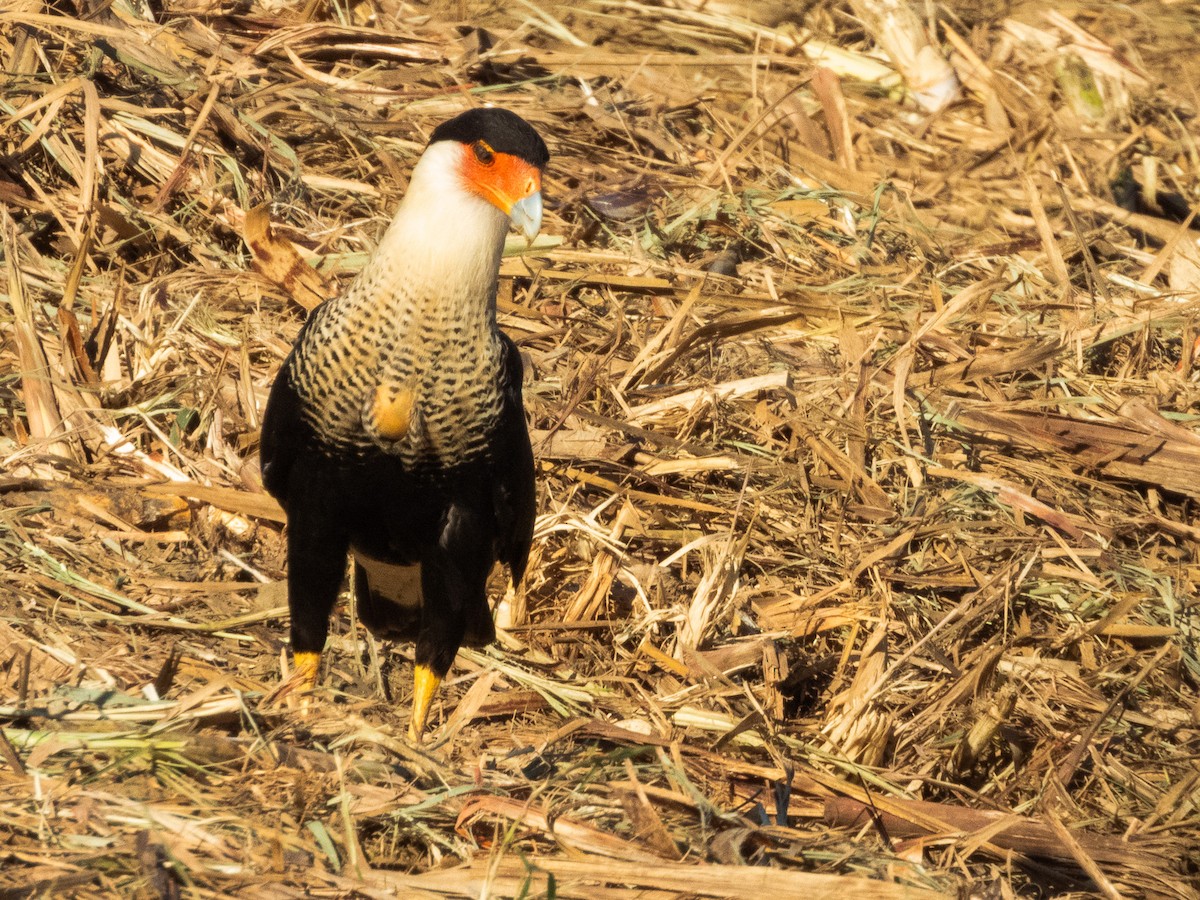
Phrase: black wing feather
(513, 489)
(283, 435)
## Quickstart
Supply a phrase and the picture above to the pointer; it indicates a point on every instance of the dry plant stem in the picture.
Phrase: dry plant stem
(866, 446)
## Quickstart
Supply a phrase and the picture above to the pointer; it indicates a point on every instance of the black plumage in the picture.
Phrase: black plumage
(395, 431)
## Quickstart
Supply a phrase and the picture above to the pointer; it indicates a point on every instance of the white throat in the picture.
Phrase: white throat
(443, 237)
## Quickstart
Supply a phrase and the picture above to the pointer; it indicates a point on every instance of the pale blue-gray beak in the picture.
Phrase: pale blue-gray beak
(526, 216)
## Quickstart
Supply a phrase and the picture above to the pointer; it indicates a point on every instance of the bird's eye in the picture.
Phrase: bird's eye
(484, 153)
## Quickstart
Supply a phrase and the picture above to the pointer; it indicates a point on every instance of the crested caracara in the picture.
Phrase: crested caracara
(395, 431)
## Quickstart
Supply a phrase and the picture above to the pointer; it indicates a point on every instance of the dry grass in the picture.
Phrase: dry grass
(867, 440)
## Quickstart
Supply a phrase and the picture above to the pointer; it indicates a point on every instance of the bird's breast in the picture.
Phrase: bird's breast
(415, 380)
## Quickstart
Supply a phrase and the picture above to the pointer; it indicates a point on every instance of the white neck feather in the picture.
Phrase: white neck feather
(443, 237)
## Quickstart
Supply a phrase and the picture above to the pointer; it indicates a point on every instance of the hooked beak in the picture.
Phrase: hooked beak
(526, 216)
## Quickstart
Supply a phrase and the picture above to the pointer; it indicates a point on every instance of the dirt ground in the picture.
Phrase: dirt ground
(862, 382)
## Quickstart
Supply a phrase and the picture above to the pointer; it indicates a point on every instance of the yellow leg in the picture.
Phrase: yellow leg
(425, 685)
(306, 665)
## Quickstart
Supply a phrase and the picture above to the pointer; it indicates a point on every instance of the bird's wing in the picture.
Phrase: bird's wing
(285, 434)
(282, 434)
(513, 489)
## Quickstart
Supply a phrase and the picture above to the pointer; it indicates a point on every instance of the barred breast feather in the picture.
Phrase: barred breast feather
(407, 324)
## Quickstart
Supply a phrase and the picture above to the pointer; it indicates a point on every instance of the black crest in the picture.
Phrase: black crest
(503, 131)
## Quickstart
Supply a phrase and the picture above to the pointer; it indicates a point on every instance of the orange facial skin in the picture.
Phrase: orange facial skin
(500, 178)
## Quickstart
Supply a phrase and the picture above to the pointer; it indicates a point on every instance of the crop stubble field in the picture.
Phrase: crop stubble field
(866, 432)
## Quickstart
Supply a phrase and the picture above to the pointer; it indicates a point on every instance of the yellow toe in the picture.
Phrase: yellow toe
(306, 666)
(425, 685)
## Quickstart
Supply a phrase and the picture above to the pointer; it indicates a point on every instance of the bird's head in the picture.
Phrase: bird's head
(499, 157)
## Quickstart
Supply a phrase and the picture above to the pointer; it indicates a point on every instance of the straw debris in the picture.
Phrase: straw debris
(863, 387)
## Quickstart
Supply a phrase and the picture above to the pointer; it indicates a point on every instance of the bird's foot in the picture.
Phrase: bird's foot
(425, 685)
(296, 687)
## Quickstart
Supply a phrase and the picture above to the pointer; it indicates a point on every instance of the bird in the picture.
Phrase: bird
(394, 433)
